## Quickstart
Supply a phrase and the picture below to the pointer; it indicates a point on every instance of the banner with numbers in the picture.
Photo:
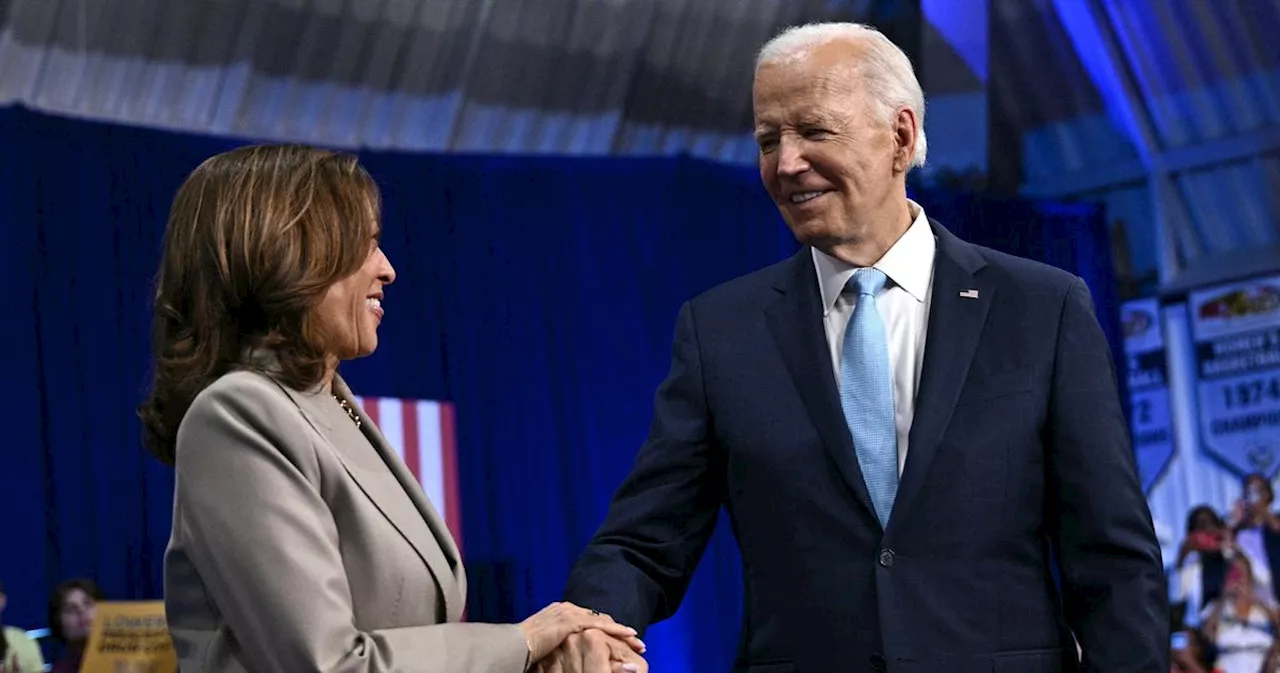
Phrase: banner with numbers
(1237, 335)
(1150, 419)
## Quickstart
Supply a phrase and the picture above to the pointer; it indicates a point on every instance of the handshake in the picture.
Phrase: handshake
(565, 638)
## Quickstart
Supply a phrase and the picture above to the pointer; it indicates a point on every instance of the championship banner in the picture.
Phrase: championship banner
(1237, 334)
(422, 433)
(130, 637)
(1150, 418)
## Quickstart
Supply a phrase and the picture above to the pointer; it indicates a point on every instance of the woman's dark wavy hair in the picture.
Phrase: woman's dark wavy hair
(58, 598)
(255, 237)
(1205, 510)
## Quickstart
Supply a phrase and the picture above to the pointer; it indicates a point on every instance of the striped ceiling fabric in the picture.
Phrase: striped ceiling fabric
(521, 76)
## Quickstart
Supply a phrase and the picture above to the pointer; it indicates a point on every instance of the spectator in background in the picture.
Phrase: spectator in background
(18, 652)
(1201, 566)
(73, 606)
(1257, 533)
(1241, 627)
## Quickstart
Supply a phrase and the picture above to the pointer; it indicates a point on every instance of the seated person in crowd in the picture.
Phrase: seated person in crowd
(18, 652)
(1257, 532)
(1240, 625)
(72, 609)
(1201, 565)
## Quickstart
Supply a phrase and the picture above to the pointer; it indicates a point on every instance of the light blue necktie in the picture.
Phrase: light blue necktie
(866, 393)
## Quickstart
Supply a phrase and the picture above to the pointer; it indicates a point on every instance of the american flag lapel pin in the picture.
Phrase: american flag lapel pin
(969, 294)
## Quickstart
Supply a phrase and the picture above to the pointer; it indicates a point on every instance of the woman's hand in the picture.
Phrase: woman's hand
(545, 631)
(1237, 515)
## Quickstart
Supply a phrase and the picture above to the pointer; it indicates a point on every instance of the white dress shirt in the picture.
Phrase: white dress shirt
(903, 306)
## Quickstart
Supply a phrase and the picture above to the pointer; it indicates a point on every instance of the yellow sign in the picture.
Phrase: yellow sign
(130, 637)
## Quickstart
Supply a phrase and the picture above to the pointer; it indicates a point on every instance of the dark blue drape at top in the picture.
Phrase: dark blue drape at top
(538, 294)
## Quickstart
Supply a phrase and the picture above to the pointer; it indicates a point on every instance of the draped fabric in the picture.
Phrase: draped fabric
(521, 76)
(538, 295)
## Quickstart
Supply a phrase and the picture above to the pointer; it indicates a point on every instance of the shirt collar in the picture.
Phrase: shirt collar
(909, 263)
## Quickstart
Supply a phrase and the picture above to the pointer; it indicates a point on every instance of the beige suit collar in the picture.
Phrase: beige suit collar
(439, 552)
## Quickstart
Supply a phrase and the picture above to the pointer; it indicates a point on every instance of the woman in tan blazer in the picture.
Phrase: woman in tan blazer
(300, 540)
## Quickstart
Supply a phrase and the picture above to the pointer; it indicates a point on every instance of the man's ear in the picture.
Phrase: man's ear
(904, 136)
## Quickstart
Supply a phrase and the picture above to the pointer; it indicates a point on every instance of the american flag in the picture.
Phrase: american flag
(422, 432)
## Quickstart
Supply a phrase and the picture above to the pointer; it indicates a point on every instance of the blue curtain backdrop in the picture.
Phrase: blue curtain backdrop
(538, 294)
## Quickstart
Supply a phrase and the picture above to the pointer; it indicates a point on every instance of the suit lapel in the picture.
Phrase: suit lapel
(955, 325)
(406, 515)
(795, 320)
(444, 544)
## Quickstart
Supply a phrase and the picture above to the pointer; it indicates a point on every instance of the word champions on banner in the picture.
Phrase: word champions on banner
(1237, 339)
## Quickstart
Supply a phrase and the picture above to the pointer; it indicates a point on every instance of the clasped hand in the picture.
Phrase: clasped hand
(565, 638)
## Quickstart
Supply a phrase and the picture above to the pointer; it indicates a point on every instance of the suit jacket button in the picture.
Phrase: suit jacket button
(878, 663)
(886, 558)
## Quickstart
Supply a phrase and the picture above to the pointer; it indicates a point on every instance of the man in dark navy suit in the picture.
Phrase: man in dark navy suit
(908, 431)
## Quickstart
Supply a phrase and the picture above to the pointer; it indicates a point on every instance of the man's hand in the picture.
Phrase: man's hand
(548, 629)
(594, 651)
(1237, 515)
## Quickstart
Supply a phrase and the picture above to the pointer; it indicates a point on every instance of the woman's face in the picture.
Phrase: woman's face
(351, 310)
(1239, 581)
(1257, 491)
(78, 612)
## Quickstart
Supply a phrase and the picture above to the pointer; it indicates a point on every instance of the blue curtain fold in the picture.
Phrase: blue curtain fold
(537, 294)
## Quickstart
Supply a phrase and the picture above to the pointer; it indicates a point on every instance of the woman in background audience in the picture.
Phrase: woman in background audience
(1201, 566)
(73, 606)
(300, 540)
(1241, 627)
(1257, 533)
(18, 652)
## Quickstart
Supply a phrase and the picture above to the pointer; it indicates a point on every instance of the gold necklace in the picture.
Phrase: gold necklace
(351, 413)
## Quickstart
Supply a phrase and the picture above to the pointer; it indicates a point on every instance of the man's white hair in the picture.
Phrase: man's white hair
(883, 67)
